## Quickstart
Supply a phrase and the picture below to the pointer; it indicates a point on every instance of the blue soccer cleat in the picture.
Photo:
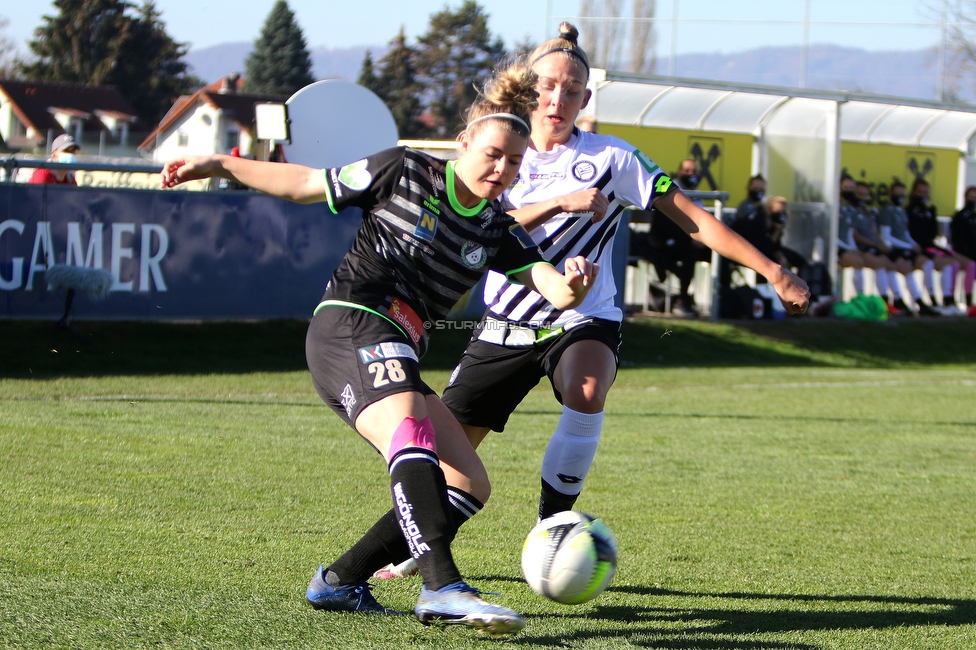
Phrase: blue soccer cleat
(459, 604)
(346, 598)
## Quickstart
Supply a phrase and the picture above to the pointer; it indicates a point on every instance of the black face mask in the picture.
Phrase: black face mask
(690, 181)
(756, 195)
(970, 205)
(849, 195)
(898, 200)
(778, 216)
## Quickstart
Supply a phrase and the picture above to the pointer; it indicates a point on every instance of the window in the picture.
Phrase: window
(182, 139)
(233, 139)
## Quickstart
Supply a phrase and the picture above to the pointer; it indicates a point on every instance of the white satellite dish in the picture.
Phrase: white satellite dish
(334, 122)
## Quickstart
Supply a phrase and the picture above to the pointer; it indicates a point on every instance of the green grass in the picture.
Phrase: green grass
(804, 484)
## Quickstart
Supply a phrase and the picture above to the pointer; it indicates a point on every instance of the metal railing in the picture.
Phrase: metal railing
(12, 164)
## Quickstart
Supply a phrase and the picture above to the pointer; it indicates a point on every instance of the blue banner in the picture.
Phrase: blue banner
(171, 254)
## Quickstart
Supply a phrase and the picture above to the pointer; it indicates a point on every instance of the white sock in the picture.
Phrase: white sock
(929, 270)
(913, 287)
(571, 450)
(858, 281)
(881, 279)
(894, 284)
(948, 280)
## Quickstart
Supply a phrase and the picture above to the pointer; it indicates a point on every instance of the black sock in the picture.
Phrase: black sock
(552, 501)
(421, 506)
(948, 301)
(381, 541)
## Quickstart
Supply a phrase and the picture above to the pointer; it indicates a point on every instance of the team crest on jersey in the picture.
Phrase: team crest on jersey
(584, 171)
(473, 255)
(356, 176)
(427, 226)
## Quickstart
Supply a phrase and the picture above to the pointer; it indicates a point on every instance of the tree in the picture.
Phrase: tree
(603, 33)
(398, 87)
(101, 42)
(280, 62)
(454, 57)
(8, 53)
(367, 75)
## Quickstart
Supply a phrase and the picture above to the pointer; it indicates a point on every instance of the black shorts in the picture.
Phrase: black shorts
(357, 358)
(870, 250)
(491, 380)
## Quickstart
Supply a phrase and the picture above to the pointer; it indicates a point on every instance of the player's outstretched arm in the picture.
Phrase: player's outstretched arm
(705, 228)
(588, 201)
(563, 290)
(283, 180)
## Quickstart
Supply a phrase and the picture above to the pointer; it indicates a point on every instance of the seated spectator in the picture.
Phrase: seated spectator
(903, 250)
(669, 248)
(63, 150)
(751, 221)
(849, 255)
(923, 226)
(877, 255)
(963, 234)
(776, 208)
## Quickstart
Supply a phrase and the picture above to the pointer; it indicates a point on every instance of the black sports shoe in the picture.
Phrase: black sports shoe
(925, 310)
(345, 598)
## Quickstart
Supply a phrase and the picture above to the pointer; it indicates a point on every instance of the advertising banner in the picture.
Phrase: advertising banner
(172, 255)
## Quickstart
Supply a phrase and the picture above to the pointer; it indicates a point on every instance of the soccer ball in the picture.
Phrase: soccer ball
(569, 557)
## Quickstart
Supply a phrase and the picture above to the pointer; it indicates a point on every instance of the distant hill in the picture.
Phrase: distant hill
(907, 73)
(212, 63)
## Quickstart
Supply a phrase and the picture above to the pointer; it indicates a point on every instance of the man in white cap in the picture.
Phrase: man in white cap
(63, 150)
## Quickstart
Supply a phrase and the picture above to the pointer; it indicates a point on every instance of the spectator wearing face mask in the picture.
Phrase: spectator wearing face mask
(751, 221)
(669, 248)
(923, 225)
(879, 255)
(904, 251)
(63, 150)
(776, 208)
(963, 233)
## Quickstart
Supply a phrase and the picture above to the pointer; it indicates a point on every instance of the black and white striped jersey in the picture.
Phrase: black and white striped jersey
(623, 174)
(417, 242)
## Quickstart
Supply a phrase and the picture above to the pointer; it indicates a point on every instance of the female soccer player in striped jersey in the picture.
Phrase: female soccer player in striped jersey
(430, 231)
(569, 194)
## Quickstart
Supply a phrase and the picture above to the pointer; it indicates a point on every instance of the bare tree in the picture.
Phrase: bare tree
(8, 53)
(605, 35)
(643, 38)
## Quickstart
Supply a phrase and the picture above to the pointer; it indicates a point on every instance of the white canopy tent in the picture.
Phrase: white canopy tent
(797, 139)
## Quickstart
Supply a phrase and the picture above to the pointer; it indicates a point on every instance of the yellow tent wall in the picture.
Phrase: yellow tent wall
(725, 158)
(877, 164)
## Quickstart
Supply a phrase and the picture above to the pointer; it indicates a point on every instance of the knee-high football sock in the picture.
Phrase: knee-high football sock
(568, 458)
(928, 270)
(881, 280)
(949, 283)
(859, 281)
(894, 285)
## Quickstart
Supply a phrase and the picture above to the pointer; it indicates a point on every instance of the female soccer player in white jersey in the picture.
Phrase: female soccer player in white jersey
(567, 175)
(524, 336)
(430, 231)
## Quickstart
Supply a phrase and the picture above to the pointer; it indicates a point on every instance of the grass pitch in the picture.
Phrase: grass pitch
(803, 484)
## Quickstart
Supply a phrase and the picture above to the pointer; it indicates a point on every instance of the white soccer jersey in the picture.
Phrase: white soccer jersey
(623, 174)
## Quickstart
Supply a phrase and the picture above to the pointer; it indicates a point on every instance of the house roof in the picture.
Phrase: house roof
(222, 95)
(35, 102)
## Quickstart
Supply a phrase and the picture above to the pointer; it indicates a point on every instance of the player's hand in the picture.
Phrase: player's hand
(580, 274)
(591, 200)
(182, 170)
(793, 292)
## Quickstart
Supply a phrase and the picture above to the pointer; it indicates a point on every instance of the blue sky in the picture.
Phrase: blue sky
(702, 26)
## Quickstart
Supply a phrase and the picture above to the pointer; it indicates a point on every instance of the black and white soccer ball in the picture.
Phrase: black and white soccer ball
(569, 557)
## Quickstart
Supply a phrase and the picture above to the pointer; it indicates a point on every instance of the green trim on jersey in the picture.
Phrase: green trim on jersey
(646, 162)
(353, 305)
(452, 197)
(328, 192)
(509, 274)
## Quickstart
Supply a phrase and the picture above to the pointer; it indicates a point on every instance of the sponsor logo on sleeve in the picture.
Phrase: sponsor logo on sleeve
(356, 176)
(521, 235)
(662, 185)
